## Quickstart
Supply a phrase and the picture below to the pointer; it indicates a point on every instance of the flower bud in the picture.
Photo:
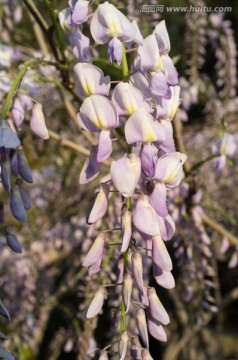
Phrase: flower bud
(137, 270)
(163, 278)
(12, 241)
(100, 205)
(127, 291)
(5, 174)
(16, 204)
(160, 254)
(25, 196)
(126, 229)
(123, 344)
(23, 167)
(156, 329)
(18, 113)
(157, 311)
(142, 326)
(96, 304)
(145, 218)
(95, 253)
(37, 122)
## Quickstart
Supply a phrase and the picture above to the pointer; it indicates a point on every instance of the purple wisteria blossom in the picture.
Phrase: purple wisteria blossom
(109, 25)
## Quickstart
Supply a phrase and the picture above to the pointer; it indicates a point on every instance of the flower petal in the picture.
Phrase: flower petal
(95, 253)
(125, 174)
(90, 168)
(156, 329)
(141, 126)
(160, 254)
(145, 218)
(158, 199)
(37, 122)
(157, 311)
(115, 51)
(137, 271)
(96, 304)
(127, 99)
(104, 145)
(162, 37)
(100, 205)
(163, 278)
(97, 113)
(91, 80)
(142, 326)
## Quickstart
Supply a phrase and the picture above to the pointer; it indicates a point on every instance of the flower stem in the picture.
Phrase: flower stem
(8, 102)
(125, 69)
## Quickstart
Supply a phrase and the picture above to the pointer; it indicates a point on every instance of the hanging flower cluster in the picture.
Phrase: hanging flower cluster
(141, 107)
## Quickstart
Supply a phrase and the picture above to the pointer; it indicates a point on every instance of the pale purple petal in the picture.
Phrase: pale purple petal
(127, 99)
(95, 268)
(115, 51)
(96, 251)
(108, 22)
(126, 219)
(120, 270)
(167, 227)
(163, 278)
(162, 37)
(168, 168)
(37, 122)
(125, 174)
(80, 45)
(91, 80)
(142, 83)
(141, 126)
(157, 311)
(137, 271)
(158, 199)
(97, 113)
(138, 37)
(170, 70)
(159, 86)
(168, 145)
(18, 113)
(145, 218)
(80, 12)
(142, 326)
(148, 159)
(104, 145)
(123, 343)
(100, 205)
(96, 304)
(90, 168)
(156, 329)
(26, 101)
(127, 291)
(65, 20)
(150, 55)
(160, 254)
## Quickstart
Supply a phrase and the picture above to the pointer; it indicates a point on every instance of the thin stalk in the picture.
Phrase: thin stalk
(8, 102)
(56, 26)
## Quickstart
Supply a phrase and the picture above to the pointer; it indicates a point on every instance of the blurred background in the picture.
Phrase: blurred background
(46, 289)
